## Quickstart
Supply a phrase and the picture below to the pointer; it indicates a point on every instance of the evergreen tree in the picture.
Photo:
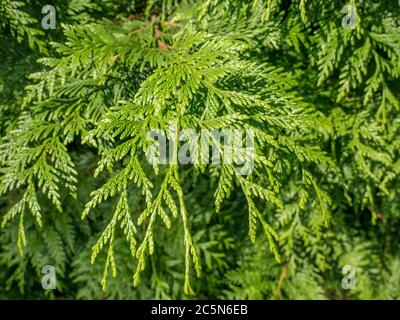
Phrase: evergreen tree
(317, 82)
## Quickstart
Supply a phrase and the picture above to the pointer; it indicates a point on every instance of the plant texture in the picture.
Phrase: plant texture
(316, 83)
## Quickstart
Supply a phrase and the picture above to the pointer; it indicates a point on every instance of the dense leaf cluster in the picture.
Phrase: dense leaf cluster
(77, 190)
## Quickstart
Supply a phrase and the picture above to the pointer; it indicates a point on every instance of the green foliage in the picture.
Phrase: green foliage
(78, 190)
